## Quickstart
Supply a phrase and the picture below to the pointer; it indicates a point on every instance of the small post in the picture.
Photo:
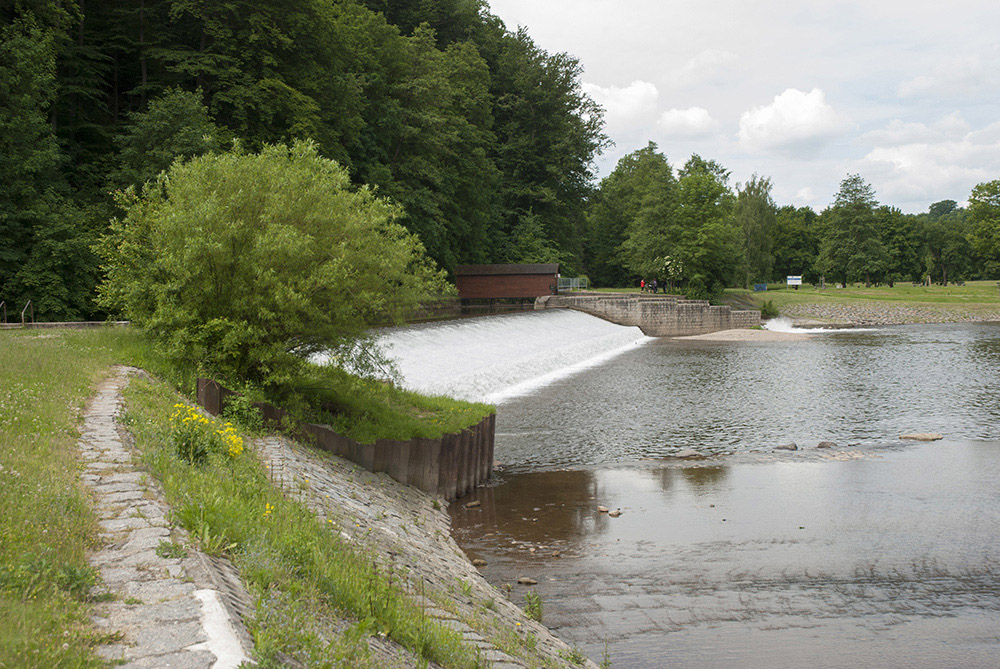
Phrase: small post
(26, 307)
(4, 305)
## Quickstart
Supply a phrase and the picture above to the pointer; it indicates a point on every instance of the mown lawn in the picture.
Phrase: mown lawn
(46, 523)
(974, 294)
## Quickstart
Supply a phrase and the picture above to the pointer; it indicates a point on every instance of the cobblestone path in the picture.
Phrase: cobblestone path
(170, 605)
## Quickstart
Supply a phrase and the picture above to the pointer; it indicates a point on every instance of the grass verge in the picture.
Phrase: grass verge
(46, 523)
(304, 577)
(974, 295)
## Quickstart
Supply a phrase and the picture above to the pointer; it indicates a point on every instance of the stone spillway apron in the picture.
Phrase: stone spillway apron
(167, 611)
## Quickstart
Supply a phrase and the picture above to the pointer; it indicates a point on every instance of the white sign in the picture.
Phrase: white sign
(794, 281)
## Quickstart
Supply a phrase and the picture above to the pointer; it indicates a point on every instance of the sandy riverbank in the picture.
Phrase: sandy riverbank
(748, 335)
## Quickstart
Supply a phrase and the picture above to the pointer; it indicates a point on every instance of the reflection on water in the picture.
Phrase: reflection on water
(848, 387)
(869, 554)
(890, 559)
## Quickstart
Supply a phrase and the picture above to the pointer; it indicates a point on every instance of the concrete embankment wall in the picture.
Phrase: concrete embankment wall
(449, 466)
(656, 316)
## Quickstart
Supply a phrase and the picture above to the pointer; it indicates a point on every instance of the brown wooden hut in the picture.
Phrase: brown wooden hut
(491, 282)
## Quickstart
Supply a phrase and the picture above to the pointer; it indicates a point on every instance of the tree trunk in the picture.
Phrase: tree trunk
(944, 274)
(868, 280)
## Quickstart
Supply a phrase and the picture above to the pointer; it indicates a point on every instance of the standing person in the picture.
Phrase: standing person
(642, 285)
(654, 286)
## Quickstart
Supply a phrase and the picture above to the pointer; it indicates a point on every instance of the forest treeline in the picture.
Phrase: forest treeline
(484, 138)
(692, 229)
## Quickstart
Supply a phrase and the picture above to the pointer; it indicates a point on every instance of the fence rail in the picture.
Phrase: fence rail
(571, 283)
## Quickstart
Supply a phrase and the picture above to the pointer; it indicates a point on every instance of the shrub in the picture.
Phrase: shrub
(768, 310)
(245, 264)
(194, 436)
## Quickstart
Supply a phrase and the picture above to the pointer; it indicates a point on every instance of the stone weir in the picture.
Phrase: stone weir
(656, 316)
(448, 466)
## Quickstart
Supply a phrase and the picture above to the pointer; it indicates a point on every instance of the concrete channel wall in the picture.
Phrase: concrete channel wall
(655, 316)
(449, 466)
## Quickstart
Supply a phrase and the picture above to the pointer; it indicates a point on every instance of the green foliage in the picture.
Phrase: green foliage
(175, 126)
(755, 214)
(851, 246)
(246, 287)
(533, 606)
(768, 310)
(984, 219)
(366, 409)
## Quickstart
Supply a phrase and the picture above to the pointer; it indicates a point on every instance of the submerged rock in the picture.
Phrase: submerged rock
(922, 436)
(615, 513)
(472, 505)
(689, 453)
(525, 580)
(602, 509)
(826, 444)
(786, 447)
(478, 563)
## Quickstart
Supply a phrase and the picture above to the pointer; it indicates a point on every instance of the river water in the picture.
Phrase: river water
(876, 551)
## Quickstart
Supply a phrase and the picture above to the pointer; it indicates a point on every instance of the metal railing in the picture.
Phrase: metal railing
(570, 283)
(26, 307)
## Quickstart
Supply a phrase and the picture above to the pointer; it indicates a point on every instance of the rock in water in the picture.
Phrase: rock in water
(602, 509)
(786, 447)
(826, 444)
(615, 513)
(922, 436)
(472, 505)
(478, 563)
(525, 580)
(688, 453)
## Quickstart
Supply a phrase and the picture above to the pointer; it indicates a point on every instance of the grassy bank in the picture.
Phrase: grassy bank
(47, 525)
(903, 303)
(971, 294)
(305, 580)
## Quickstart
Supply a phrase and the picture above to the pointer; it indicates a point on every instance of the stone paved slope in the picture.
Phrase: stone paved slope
(168, 611)
(400, 525)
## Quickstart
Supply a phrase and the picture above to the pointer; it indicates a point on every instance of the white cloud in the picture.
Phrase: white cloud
(957, 75)
(704, 66)
(897, 133)
(805, 195)
(795, 123)
(635, 103)
(931, 170)
(690, 122)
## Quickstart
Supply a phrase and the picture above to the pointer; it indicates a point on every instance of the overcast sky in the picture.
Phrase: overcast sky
(905, 93)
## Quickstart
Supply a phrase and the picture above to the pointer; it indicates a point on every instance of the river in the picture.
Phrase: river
(876, 551)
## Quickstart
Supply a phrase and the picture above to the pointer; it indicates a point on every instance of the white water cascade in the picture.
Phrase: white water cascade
(491, 358)
(785, 324)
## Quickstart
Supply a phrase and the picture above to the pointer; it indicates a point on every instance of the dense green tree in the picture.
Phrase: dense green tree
(247, 287)
(984, 221)
(176, 125)
(945, 232)
(756, 216)
(616, 204)
(901, 239)
(796, 243)
(851, 246)
(44, 237)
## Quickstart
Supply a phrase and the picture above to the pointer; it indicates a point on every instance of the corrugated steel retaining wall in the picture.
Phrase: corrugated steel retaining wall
(449, 466)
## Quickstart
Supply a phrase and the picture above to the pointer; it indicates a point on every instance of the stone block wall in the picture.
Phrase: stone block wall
(449, 466)
(656, 316)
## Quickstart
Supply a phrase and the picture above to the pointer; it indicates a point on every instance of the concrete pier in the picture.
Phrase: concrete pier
(665, 316)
